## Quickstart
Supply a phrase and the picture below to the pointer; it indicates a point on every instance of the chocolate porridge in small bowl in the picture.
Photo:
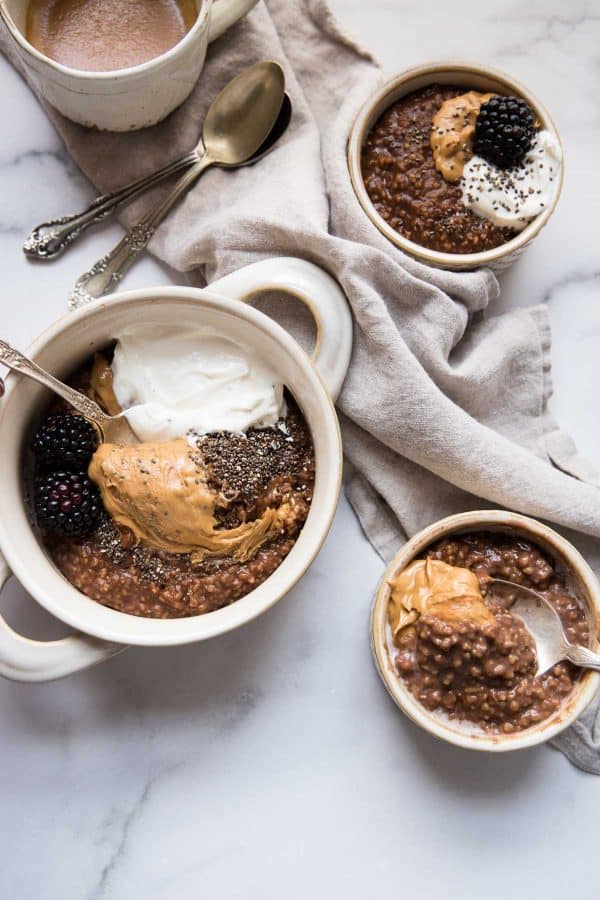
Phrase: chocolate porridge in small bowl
(226, 493)
(457, 165)
(451, 653)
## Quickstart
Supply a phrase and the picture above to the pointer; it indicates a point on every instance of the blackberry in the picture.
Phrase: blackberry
(504, 131)
(65, 440)
(67, 502)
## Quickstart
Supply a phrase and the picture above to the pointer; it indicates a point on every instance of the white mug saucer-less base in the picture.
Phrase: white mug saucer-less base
(65, 346)
(124, 99)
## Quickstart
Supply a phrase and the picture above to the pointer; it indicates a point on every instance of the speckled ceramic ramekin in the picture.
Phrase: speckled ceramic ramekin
(581, 577)
(63, 348)
(470, 76)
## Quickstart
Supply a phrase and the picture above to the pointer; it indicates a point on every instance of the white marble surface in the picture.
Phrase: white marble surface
(270, 763)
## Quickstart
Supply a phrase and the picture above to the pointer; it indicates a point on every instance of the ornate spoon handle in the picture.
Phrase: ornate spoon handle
(14, 359)
(105, 275)
(50, 239)
(581, 656)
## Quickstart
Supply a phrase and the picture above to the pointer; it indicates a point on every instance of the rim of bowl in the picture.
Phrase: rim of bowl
(500, 520)
(170, 632)
(399, 86)
(110, 74)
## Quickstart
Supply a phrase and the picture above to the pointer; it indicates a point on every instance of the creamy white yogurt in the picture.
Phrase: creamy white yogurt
(511, 198)
(173, 383)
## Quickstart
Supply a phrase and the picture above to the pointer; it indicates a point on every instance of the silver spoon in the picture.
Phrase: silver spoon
(111, 429)
(50, 239)
(236, 126)
(544, 625)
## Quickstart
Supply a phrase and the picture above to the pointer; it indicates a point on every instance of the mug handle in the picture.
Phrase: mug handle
(321, 294)
(22, 659)
(226, 13)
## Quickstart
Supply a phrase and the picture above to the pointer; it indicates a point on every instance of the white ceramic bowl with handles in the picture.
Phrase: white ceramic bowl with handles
(66, 345)
(124, 99)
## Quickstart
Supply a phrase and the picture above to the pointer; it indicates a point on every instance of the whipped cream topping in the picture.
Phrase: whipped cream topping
(173, 383)
(511, 198)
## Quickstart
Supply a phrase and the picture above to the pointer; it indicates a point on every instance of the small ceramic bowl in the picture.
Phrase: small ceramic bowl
(471, 77)
(580, 577)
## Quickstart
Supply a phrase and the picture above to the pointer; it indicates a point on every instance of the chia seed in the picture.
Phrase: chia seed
(241, 466)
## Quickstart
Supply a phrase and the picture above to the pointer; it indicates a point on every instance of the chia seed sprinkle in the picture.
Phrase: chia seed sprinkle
(241, 466)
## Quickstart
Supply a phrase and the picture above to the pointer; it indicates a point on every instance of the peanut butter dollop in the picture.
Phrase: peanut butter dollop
(432, 587)
(452, 133)
(101, 385)
(160, 493)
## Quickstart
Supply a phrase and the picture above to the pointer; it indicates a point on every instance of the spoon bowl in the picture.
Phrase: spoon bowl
(277, 131)
(242, 116)
(544, 624)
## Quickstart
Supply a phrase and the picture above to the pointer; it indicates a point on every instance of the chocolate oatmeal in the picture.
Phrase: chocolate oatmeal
(262, 474)
(256, 469)
(408, 191)
(484, 671)
(155, 584)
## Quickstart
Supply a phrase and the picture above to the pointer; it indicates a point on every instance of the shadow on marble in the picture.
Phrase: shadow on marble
(271, 667)
(453, 769)
(225, 675)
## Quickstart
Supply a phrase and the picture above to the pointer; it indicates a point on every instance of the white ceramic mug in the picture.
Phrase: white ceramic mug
(64, 347)
(124, 99)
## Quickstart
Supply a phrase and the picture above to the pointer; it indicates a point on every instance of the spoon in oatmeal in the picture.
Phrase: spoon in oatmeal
(544, 624)
(111, 429)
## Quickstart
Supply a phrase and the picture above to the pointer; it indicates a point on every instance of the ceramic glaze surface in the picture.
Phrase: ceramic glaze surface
(271, 761)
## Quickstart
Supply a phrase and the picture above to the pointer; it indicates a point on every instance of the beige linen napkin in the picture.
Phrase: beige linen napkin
(445, 405)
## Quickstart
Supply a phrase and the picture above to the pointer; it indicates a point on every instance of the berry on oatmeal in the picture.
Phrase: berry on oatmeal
(65, 439)
(66, 502)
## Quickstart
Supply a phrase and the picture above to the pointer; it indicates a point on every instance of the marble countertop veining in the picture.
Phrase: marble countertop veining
(270, 762)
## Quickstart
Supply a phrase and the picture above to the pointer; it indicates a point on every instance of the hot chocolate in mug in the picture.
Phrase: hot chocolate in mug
(130, 98)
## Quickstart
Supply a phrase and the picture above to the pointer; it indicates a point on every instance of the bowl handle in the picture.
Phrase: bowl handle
(226, 13)
(22, 659)
(319, 291)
